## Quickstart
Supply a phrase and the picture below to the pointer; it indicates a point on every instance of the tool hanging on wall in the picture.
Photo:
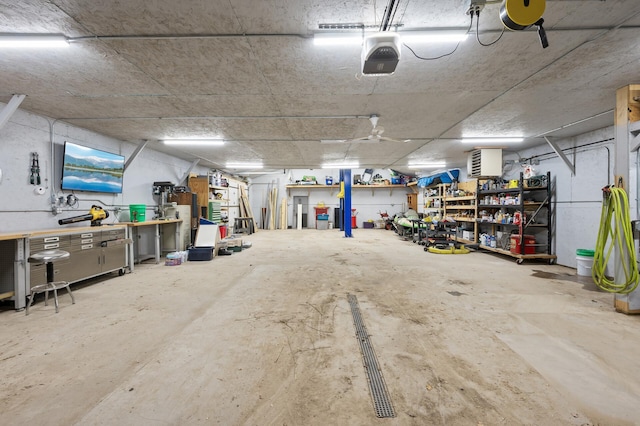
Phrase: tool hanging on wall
(34, 177)
(522, 14)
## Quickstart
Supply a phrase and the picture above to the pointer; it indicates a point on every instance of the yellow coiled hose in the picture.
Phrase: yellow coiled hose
(615, 223)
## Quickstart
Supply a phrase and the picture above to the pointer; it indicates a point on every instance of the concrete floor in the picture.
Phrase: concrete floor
(266, 337)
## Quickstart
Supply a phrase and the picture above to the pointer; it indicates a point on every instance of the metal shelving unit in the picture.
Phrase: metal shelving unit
(531, 202)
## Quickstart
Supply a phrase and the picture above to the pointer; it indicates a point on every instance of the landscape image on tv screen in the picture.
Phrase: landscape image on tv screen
(90, 169)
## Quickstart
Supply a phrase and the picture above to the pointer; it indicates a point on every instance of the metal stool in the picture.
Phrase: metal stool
(49, 257)
(243, 225)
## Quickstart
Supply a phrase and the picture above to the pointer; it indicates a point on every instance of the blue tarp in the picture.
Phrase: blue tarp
(442, 177)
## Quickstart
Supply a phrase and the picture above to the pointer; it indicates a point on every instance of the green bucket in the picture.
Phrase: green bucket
(585, 253)
(137, 212)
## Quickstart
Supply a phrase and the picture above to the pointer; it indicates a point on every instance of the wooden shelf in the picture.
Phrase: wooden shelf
(464, 219)
(455, 206)
(461, 207)
(337, 186)
(519, 256)
(463, 198)
(462, 240)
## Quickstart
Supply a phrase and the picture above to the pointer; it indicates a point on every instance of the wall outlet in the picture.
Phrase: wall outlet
(475, 6)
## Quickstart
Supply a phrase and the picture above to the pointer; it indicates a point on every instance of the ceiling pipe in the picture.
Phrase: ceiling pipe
(574, 123)
(302, 36)
(222, 117)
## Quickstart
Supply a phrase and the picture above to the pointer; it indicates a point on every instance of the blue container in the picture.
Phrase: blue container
(329, 180)
(395, 181)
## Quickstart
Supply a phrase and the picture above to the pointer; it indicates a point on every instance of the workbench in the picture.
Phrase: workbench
(135, 229)
(15, 249)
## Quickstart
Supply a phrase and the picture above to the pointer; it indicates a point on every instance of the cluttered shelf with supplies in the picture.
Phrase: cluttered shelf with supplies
(515, 216)
(508, 217)
(366, 180)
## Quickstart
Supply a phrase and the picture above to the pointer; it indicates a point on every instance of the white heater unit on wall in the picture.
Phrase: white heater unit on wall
(485, 163)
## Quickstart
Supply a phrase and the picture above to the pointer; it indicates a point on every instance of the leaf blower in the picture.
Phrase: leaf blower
(96, 215)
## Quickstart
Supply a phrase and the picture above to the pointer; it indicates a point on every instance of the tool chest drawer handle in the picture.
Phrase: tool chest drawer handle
(89, 240)
(86, 235)
(87, 246)
(51, 246)
(51, 239)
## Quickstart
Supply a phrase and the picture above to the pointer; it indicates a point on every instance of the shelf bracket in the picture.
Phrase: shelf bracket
(135, 153)
(188, 172)
(564, 158)
(10, 108)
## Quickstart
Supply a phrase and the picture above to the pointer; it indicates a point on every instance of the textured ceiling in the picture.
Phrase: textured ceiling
(247, 71)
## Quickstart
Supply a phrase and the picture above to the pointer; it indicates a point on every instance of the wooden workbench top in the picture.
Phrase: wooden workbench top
(58, 231)
(14, 236)
(151, 222)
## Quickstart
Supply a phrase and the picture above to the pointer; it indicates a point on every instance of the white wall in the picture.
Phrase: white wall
(21, 209)
(578, 199)
(367, 201)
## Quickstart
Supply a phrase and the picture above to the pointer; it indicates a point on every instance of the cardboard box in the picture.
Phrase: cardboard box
(467, 235)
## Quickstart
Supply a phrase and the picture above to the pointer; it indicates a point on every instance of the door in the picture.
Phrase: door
(302, 204)
(412, 201)
(200, 186)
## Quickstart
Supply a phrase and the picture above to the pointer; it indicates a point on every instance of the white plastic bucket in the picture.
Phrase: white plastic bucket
(585, 264)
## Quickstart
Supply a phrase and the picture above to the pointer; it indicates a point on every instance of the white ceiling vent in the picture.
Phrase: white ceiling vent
(485, 163)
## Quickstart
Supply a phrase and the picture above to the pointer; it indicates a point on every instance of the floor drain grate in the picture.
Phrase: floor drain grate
(381, 400)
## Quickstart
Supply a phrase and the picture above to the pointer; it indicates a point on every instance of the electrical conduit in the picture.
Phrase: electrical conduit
(615, 223)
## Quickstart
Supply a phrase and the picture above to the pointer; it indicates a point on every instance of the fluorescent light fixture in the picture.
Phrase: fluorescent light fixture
(338, 39)
(433, 36)
(427, 165)
(194, 142)
(347, 165)
(491, 140)
(244, 165)
(36, 41)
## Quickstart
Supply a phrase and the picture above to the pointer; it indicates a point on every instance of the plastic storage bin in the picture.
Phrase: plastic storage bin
(200, 253)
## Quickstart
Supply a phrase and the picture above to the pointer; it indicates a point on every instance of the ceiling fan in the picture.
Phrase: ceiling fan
(374, 137)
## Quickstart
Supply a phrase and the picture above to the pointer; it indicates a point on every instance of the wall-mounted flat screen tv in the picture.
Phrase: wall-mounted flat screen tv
(90, 169)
